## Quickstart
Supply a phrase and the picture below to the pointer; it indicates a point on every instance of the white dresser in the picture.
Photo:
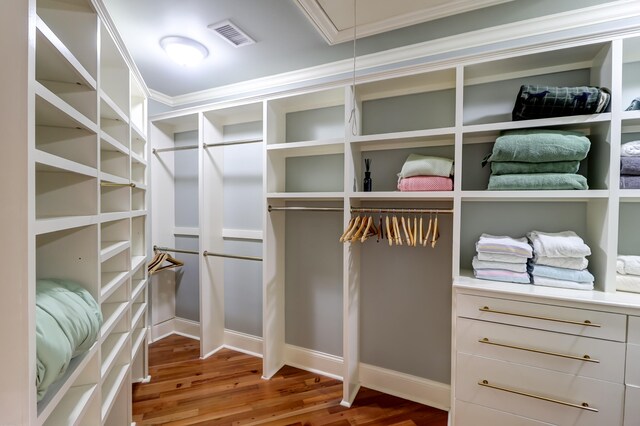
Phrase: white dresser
(526, 355)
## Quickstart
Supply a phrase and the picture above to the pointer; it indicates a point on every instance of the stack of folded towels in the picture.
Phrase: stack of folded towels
(628, 273)
(559, 260)
(423, 173)
(538, 159)
(630, 165)
(502, 258)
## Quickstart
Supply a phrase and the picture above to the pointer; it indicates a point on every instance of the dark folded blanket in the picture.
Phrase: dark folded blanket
(538, 181)
(630, 166)
(538, 146)
(629, 182)
(535, 101)
(511, 167)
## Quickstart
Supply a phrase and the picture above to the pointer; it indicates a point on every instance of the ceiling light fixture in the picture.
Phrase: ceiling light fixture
(183, 50)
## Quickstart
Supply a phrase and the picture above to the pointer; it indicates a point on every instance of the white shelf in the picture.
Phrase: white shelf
(399, 196)
(308, 148)
(561, 195)
(114, 345)
(138, 312)
(241, 234)
(137, 261)
(54, 224)
(195, 232)
(57, 392)
(629, 195)
(53, 111)
(137, 287)
(113, 384)
(58, 51)
(114, 144)
(110, 217)
(108, 177)
(111, 281)
(138, 132)
(567, 123)
(46, 162)
(71, 410)
(109, 109)
(137, 158)
(140, 186)
(138, 213)
(138, 341)
(108, 249)
(112, 313)
(401, 140)
(306, 196)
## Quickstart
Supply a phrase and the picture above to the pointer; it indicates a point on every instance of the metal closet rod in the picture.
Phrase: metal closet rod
(362, 210)
(308, 209)
(103, 183)
(206, 145)
(175, 250)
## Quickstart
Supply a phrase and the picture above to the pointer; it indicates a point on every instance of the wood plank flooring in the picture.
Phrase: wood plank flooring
(227, 389)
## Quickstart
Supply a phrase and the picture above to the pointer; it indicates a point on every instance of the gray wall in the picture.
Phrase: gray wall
(186, 211)
(321, 123)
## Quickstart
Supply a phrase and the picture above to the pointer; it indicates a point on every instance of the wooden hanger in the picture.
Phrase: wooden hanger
(420, 232)
(415, 231)
(346, 231)
(156, 263)
(380, 229)
(406, 233)
(369, 230)
(360, 231)
(426, 237)
(396, 231)
(354, 228)
(389, 232)
(436, 233)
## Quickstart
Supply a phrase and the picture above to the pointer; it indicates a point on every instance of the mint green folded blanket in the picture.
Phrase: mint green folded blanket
(539, 146)
(68, 322)
(513, 167)
(539, 181)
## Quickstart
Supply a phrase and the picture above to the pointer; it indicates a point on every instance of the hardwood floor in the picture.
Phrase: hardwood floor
(227, 389)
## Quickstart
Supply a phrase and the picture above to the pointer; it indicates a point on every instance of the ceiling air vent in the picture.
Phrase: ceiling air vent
(231, 33)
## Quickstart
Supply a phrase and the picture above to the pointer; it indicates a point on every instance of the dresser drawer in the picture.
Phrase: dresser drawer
(634, 330)
(582, 322)
(632, 406)
(519, 390)
(582, 356)
(477, 415)
(633, 365)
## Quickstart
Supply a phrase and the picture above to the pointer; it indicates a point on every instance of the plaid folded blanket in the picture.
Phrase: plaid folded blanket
(535, 101)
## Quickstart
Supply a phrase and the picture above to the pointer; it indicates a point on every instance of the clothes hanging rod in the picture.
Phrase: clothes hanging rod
(232, 256)
(174, 250)
(401, 211)
(238, 142)
(174, 148)
(308, 209)
(103, 183)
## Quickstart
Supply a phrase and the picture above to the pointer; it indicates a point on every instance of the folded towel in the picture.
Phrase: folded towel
(550, 282)
(628, 283)
(565, 274)
(497, 257)
(425, 183)
(629, 182)
(628, 265)
(504, 245)
(630, 166)
(578, 263)
(502, 275)
(538, 146)
(630, 149)
(558, 244)
(540, 181)
(420, 165)
(487, 264)
(513, 167)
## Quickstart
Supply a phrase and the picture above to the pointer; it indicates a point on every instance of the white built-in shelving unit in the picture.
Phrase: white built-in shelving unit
(88, 130)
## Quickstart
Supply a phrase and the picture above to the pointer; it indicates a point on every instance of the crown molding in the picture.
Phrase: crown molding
(571, 20)
(325, 26)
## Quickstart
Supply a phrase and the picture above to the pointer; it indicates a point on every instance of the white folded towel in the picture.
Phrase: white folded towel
(578, 263)
(628, 265)
(504, 245)
(628, 283)
(630, 149)
(551, 282)
(558, 244)
(497, 257)
(488, 264)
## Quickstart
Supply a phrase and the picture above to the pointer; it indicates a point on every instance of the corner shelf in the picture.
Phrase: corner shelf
(560, 195)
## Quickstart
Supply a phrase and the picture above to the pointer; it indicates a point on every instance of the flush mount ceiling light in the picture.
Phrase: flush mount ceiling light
(184, 51)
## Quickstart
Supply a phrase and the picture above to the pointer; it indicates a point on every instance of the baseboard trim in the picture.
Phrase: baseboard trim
(180, 326)
(313, 361)
(242, 342)
(413, 388)
(162, 330)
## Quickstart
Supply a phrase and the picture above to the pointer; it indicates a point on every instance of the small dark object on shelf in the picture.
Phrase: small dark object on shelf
(367, 175)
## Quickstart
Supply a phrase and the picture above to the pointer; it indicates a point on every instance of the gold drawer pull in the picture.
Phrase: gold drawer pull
(586, 323)
(582, 406)
(585, 358)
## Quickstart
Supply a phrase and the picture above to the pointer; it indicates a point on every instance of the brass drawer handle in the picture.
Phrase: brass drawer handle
(582, 406)
(585, 358)
(585, 323)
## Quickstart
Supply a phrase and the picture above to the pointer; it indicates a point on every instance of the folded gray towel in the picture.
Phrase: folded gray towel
(629, 182)
(630, 166)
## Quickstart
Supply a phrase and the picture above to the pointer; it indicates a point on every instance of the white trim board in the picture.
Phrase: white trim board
(572, 20)
(180, 326)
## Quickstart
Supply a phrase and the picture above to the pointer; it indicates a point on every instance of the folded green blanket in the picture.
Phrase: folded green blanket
(68, 323)
(512, 167)
(538, 146)
(539, 181)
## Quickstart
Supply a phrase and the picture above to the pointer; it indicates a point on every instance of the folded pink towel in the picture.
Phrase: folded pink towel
(425, 183)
